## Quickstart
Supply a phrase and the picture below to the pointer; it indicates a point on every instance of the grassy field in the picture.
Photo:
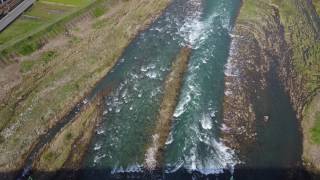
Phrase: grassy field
(302, 32)
(64, 75)
(77, 3)
(40, 16)
(317, 5)
(316, 130)
(311, 132)
(303, 38)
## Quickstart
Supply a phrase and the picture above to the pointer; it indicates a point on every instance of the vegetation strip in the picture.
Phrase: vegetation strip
(67, 149)
(172, 88)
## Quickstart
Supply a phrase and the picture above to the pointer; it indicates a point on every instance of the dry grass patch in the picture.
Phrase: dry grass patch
(46, 95)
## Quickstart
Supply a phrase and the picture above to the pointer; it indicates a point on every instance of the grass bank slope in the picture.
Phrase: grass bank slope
(41, 17)
(65, 71)
(296, 46)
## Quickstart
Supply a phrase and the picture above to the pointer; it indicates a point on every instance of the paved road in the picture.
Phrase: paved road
(12, 15)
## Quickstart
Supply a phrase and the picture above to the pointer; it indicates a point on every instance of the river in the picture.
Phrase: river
(130, 110)
(194, 148)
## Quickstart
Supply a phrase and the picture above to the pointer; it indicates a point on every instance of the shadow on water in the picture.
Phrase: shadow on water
(239, 174)
(278, 150)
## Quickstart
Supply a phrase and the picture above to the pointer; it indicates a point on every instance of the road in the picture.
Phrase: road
(12, 15)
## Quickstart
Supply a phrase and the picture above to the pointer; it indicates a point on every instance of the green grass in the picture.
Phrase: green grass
(315, 131)
(45, 58)
(43, 20)
(39, 15)
(304, 32)
(301, 31)
(316, 4)
(99, 11)
(27, 66)
(71, 2)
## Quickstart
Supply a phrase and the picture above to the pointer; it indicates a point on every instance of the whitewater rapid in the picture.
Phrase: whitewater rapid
(130, 109)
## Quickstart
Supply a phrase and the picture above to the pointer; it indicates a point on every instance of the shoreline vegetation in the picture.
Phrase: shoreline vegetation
(172, 87)
(67, 149)
(287, 32)
(63, 71)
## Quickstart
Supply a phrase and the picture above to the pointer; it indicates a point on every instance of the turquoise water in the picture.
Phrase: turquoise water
(137, 82)
(193, 149)
(194, 143)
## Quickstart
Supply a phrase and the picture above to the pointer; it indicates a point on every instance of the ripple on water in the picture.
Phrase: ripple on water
(133, 94)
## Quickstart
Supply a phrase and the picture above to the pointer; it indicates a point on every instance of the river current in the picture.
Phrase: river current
(194, 148)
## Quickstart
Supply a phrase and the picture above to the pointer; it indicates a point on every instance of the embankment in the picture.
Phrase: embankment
(285, 34)
(67, 149)
(53, 86)
(172, 88)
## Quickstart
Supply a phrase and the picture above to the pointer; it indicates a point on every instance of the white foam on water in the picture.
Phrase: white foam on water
(152, 74)
(196, 30)
(230, 69)
(181, 108)
(218, 156)
(206, 122)
(133, 168)
(97, 146)
(193, 159)
(100, 131)
(223, 158)
(170, 138)
(213, 113)
(105, 112)
(155, 92)
(187, 97)
(150, 156)
(175, 167)
(98, 158)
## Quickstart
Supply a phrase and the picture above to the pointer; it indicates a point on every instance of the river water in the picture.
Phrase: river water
(194, 148)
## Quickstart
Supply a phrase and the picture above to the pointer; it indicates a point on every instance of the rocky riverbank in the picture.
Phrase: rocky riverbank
(285, 34)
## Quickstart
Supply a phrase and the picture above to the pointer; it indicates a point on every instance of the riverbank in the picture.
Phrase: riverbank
(67, 149)
(283, 33)
(64, 71)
